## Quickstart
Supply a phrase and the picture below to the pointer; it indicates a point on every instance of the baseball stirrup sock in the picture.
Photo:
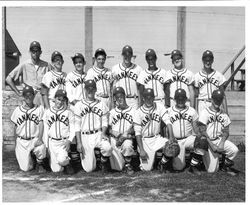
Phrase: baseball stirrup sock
(127, 160)
(104, 159)
(165, 159)
(195, 159)
(228, 162)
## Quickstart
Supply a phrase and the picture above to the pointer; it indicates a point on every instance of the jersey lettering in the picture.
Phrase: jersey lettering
(153, 77)
(78, 81)
(58, 81)
(180, 78)
(179, 116)
(148, 118)
(217, 118)
(94, 110)
(101, 77)
(126, 74)
(26, 117)
(58, 118)
(121, 116)
(204, 81)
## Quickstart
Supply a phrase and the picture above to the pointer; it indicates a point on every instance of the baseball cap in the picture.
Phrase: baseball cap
(78, 55)
(150, 52)
(35, 45)
(127, 50)
(176, 54)
(28, 89)
(207, 54)
(148, 92)
(180, 93)
(118, 90)
(54, 54)
(90, 83)
(100, 51)
(218, 96)
(61, 93)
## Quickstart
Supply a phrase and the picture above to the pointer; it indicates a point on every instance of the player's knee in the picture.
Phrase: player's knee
(40, 151)
(63, 159)
(106, 148)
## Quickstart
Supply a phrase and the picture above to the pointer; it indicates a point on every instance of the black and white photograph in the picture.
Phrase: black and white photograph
(124, 101)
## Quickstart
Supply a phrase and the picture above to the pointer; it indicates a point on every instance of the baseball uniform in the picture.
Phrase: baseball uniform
(27, 122)
(215, 122)
(90, 117)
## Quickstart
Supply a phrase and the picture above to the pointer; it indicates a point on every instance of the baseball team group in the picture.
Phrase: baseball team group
(112, 114)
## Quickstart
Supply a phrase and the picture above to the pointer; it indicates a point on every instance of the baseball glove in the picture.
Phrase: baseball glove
(171, 149)
(201, 142)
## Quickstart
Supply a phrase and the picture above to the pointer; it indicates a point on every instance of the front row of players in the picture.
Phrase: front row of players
(106, 138)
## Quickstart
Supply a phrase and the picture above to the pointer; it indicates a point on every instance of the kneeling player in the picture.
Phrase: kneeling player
(147, 130)
(121, 123)
(60, 123)
(29, 131)
(214, 124)
(91, 123)
(184, 121)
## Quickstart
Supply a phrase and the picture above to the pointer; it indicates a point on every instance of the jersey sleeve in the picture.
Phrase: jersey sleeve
(227, 120)
(78, 118)
(164, 115)
(46, 79)
(203, 118)
(41, 113)
(222, 79)
(71, 125)
(195, 114)
(196, 80)
(137, 123)
(140, 78)
(89, 74)
(190, 78)
(69, 88)
(105, 111)
(14, 115)
(111, 114)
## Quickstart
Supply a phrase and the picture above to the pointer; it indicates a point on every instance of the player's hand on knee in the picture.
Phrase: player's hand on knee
(67, 144)
(143, 155)
(38, 143)
(105, 137)
(80, 148)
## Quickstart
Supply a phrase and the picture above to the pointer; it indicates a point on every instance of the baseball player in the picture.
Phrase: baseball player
(75, 80)
(184, 121)
(31, 73)
(53, 80)
(147, 128)
(206, 81)
(125, 75)
(101, 76)
(122, 132)
(59, 122)
(179, 77)
(29, 132)
(153, 77)
(91, 122)
(214, 124)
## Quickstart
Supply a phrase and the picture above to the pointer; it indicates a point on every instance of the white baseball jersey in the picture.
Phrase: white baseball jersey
(154, 80)
(54, 81)
(179, 79)
(121, 120)
(102, 78)
(182, 121)
(127, 78)
(75, 86)
(27, 121)
(90, 115)
(147, 120)
(215, 122)
(60, 123)
(207, 83)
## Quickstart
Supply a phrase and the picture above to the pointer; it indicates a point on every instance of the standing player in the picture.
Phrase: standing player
(75, 80)
(147, 128)
(153, 77)
(214, 124)
(125, 75)
(102, 77)
(121, 123)
(53, 80)
(184, 121)
(31, 71)
(91, 124)
(206, 81)
(179, 77)
(60, 123)
(29, 132)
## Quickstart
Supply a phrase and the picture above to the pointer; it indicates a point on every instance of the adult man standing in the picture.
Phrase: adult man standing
(31, 73)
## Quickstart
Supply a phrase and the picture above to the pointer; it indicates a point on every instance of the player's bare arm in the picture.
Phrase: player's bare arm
(10, 82)
(167, 94)
(192, 95)
(79, 143)
(104, 133)
(40, 136)
(170, 133)
(45, 93)
(141, 89)
(142, 153)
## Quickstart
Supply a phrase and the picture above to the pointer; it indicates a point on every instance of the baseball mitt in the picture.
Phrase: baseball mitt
(171, 149)
(201, 142)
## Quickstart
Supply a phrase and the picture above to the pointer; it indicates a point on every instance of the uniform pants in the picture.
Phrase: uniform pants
(151, 145)
(117, 161)
(211, 159)
(23, 153)
(58, 155)
(90, 142)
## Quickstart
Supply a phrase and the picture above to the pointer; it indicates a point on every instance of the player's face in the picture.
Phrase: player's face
(35, 54)
(180, 102)
(120, 99)
(59, 102)
(58, 62)
(29, 98)
(127, 57)
(100, 61)
(90, 92)
(148, 101)
(151, 60)
(79, 64)
(207, 62)
(177, 63)
(217, 103)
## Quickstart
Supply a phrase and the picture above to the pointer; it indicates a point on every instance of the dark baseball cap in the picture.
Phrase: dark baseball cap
(35, 45)
(90, 84)
(100, 51)
(207, 55)
(118, 90)
(54, 54)
(127, 50)
(180, 94)
(78, 55)
(150, 52)
(28, 89)
(148, 92)
(176, 54)
(61, 93)
(218, 96)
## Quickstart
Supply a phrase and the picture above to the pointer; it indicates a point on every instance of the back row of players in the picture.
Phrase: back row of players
(90, 97)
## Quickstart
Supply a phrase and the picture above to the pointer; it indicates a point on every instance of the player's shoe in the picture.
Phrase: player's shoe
(129, 169)
(69, 169)
(194, 170)
(40, 169)
(162, 167)
(104, 167)
(229, 170)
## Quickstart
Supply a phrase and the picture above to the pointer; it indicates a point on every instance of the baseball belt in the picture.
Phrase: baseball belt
(24, 138)
(160, 99)
(149, 136)
(91, 132)
(214, 139)
(129, 96)
(181, 138)
(205, 100)
(58, 139)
